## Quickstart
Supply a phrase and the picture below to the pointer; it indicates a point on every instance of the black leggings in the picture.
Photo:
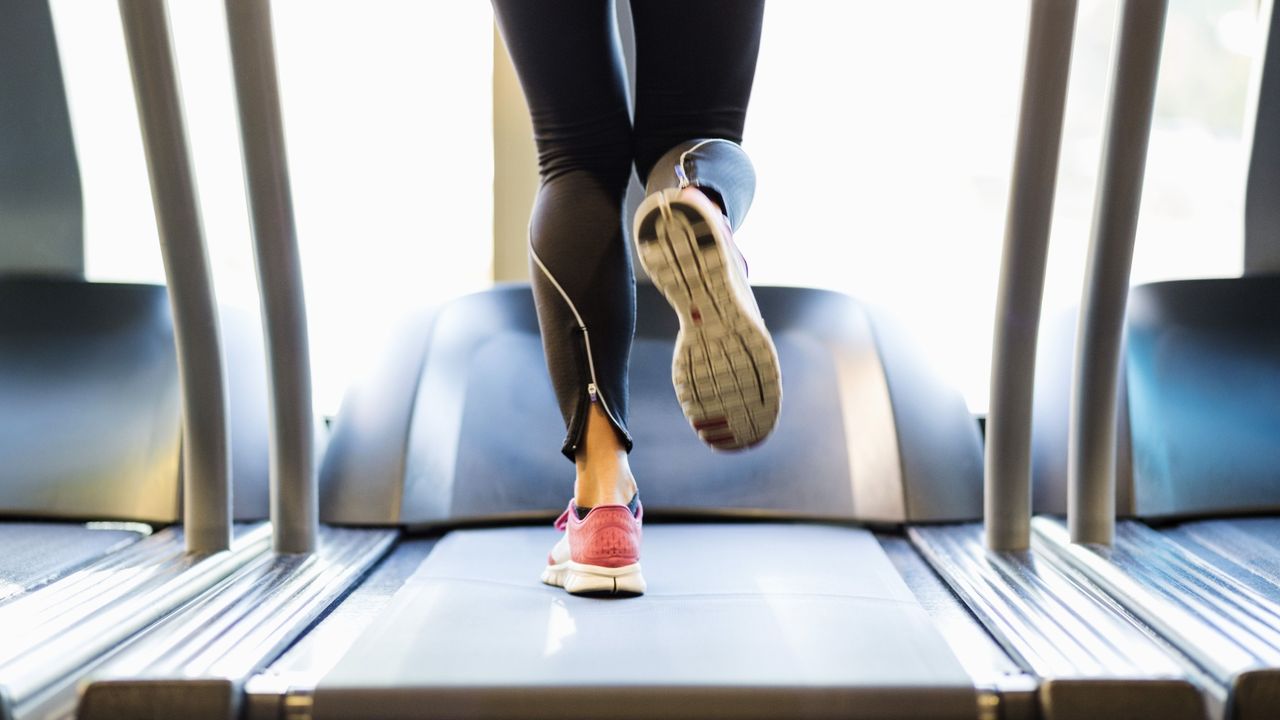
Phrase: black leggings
(695, 62)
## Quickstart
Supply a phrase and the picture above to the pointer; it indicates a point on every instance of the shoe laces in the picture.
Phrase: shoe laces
(562, 522)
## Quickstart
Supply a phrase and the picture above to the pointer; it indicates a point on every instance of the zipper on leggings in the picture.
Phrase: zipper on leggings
(593, 386)
(682, 177)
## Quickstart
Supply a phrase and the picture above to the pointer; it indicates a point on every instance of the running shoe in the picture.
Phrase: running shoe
(599, 553)
(725, 366)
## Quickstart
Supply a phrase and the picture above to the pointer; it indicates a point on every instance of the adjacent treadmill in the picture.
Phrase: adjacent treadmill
(92, 426)
(802, 579)
(1175, 423)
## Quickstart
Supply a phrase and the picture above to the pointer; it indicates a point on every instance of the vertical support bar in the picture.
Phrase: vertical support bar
(206, 456)
(1007, 489)
(294, 510)
(1091, 447)
(1262, 132)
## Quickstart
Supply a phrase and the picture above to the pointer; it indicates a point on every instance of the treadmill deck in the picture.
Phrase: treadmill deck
(739, 621)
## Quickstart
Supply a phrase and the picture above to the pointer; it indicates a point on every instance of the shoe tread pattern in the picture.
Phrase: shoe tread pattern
(725, 367)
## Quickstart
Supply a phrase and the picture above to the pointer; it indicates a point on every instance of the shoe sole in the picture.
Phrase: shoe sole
(725, 366)
(579, 579)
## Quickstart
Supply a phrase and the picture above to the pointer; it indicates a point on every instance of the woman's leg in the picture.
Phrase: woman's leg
(695, 66)
(568, 61)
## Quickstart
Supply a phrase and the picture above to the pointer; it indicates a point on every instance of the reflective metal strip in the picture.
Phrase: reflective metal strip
(1226, 626)
(230, 633)
(53, 632)
(1052, 625)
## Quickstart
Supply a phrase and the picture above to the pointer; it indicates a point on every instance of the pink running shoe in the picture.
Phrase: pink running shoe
(600, 553)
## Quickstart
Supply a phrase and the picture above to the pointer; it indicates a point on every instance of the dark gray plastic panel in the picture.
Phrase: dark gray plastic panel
(739, 621)
(865, 432)
(89, 403)
(41, 210)
(1202, 368)
(1204, 396)
(1261, 211)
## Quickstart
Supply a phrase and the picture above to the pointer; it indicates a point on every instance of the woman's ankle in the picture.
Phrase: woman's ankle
(604, 481)
(604, 474)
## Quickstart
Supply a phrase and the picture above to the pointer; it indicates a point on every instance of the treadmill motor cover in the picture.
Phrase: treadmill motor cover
(460, 424)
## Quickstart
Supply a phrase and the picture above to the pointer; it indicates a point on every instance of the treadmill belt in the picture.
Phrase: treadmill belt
(739, 621)
(33, 554)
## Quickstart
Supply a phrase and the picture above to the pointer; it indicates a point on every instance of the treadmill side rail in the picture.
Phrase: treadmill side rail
(1067, 634)
(196, 661)
(1229, 627)
(1005, 690)
(58, 632)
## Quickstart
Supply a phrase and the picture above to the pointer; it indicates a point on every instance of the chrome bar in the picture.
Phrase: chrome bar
(200, 656)
(1007, 492)
(1091, 446)
(54, 634)
(1052, 626)
(294, 511)
(292, 678)
(206, 446)
(1063, 630)
(1208, 608)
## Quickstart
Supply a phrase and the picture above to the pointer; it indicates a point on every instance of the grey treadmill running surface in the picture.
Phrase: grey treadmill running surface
(32, 554)
(739, 621)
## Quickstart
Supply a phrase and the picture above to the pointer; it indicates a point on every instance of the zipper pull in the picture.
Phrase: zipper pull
(682, 177)
(592, 392)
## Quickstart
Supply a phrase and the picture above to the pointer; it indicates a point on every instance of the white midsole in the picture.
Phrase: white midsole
(596, 569)
(580, 578)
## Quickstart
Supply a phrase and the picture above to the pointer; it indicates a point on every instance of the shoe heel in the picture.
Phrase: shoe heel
(591, 580)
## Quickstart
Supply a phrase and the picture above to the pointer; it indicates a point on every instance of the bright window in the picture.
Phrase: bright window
(883, 136)
(388, 118)
(882, 133)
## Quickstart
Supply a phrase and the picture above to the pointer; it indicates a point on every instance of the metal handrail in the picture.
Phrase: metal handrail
(294, 504)
(206, 455)
(1091, 444)
(1007, 488)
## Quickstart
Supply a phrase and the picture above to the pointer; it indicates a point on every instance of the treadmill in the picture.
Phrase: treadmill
(802, 579)
(1174, 408)
(98, 453)
(40, 211)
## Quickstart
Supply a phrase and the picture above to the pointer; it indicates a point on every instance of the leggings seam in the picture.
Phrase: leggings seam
(586, 335)
(684, 178)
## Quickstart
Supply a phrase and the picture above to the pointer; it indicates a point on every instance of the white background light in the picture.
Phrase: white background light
(882, 133)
